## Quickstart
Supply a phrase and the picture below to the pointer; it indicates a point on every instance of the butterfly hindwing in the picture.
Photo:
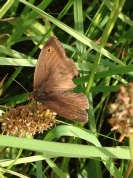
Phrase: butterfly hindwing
(69, 105)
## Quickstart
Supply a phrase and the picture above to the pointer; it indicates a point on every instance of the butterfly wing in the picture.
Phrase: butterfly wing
(53, 82)
(54, 71)
(69, 105)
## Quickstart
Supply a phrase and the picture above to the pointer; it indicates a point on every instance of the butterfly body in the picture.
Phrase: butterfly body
(53, 83)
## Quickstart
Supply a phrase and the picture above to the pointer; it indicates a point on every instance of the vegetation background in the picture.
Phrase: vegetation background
(97, 35)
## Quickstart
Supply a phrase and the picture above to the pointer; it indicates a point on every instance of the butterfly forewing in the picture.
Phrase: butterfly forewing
(56, 69)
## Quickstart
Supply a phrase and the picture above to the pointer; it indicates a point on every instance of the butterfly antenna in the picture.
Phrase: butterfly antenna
(20, 85)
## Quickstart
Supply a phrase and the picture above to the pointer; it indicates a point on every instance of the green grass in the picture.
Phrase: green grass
(69, 149)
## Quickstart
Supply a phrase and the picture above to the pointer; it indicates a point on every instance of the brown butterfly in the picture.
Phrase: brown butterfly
(53, 83)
